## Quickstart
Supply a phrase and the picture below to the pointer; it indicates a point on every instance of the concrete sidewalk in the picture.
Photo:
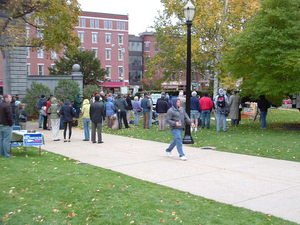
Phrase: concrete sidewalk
(266, 185)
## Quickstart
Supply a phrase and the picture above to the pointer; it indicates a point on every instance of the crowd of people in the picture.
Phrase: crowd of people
(121, 110)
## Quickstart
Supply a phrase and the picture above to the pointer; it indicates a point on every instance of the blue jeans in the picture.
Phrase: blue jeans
(177, 141)
(5, 138)
(137, 116)
(263, 119)
(41, 120)
(221, 118)
(206, 118)
(150, 120)
(86, 127)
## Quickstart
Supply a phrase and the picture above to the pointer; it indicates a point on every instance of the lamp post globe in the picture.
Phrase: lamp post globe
(189, 12)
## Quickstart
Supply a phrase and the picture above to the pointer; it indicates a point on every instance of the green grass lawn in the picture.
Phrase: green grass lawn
(248, 138)
(52, 189)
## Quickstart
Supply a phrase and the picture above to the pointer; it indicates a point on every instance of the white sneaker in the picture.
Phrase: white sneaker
(184, 158)
(196, 129)
(169, 154)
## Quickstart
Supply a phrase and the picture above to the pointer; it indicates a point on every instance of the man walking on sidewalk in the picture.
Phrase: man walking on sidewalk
(177, 118)
(97, 115)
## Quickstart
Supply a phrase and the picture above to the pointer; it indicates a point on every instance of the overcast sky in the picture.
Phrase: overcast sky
(141, 12)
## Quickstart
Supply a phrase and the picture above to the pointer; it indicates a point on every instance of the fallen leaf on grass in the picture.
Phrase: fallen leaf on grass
(70, 215)
(173, 213)
(55, 210)
(160, 211)
(132, 222)
(162, 221)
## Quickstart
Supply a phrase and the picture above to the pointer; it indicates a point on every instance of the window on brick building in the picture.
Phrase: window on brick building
(53, 55)
(147, 46)
(92, 23)
(28, 69)
(27, 33)
(121, 71)
(40, 53)
(28, 52)
(81, 36)
(95, 50)
(121, 25)
(120, 54)
(96, 23)
(39, 34)
(108, 72)
(108, 54)
(82, 22)
(121, 39)
(108, 24)
(94, 37)
(107, 38)
(41, 69)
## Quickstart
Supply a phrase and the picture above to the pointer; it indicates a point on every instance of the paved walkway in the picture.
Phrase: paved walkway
(260, 184)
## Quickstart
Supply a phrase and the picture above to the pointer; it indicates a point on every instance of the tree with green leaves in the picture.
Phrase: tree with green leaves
(90, 90)
(213, 23)
(266, 55)
(53, 19)
(33, 95)
(89, 66)
(66, 89)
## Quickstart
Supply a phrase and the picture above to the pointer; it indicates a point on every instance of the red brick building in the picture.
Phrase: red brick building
(106, 35)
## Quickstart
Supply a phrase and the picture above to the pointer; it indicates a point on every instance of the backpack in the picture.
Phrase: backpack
(221, 101)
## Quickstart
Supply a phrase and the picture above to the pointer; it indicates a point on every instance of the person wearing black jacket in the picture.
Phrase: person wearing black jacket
(129, 113)
(263, 106)
(67, 112)
(97, 115)
(162, 107)
(6, 123)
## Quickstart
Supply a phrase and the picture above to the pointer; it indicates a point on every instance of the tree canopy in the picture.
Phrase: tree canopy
(54, 20)
(89, 66)
(266, 55)
(213, 23)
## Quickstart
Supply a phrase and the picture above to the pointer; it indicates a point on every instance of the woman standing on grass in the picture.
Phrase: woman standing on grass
(67, 112)
(137, 110)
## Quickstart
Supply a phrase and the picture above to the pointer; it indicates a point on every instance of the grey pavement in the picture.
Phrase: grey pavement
(266, 185)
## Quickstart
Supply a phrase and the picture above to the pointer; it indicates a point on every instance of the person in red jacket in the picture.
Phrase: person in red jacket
(206, 105)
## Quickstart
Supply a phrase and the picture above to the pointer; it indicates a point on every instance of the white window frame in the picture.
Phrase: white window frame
(108, 68)
(40, 53)
(94, 40)
(95, 50)
(122, 39)
(82, 22)
(121, 76)
(147, 42)
(43, 71)
(27, 33)
(39, 34)
(106, 55)
(28, 69)
(121, 54)
(106, 38)
(81, 36)
(121, 25)
(108, 24)
(53, 55)
(97, 23)
(27, 52)
(92, 23)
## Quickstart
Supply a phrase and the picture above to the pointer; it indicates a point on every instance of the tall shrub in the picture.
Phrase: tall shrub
(66, 89)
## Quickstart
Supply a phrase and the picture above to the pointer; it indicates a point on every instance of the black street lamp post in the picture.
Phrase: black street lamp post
(189, 11)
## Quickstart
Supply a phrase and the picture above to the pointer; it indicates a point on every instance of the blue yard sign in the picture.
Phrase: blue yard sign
(33, 140)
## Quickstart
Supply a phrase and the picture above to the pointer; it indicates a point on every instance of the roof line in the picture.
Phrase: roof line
(112, 14)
